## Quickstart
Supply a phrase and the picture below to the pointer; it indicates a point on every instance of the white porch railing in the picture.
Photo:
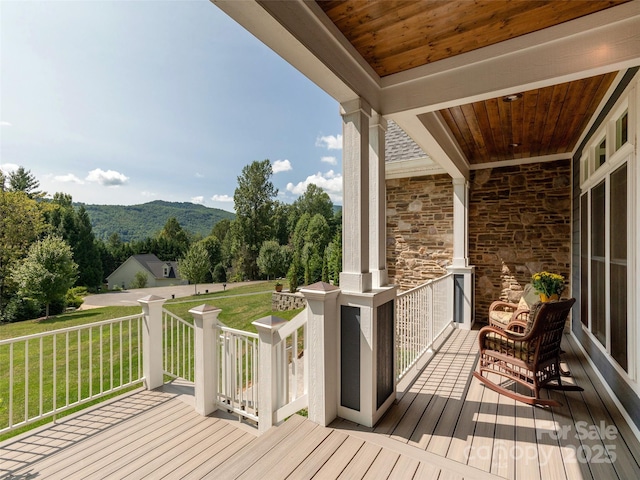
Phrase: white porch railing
(178, 346)
(238, 371)
(422, 314)
(47, 373)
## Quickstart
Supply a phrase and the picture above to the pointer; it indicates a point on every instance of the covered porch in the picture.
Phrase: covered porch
(446, 425)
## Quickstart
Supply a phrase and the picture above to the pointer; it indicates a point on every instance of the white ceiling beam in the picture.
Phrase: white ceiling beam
(432, 135)
(592, 45)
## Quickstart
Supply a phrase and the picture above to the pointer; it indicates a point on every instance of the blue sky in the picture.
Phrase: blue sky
(125, 102)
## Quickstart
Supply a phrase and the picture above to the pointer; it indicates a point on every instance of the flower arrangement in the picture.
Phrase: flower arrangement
(548, 283)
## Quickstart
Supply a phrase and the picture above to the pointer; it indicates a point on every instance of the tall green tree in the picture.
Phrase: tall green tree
(21, 222)
(253, 199)
(22, 180)
(195, 265)
(47, 272)
(269, 259)
(214, 249)
(172, 232)
(221, 229)
(86, 252)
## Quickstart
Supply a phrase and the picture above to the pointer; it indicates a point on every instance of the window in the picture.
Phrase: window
(618, 266)
(601, 153)
(622, 130)
(603, 219)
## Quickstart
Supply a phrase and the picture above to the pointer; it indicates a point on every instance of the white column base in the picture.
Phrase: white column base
(379, 278)
(368, 413)
(355, 282)
(466, 318)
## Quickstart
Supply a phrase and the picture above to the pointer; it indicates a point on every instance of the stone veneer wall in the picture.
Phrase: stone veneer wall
(519, 223)
(419, 229)
(281, 301)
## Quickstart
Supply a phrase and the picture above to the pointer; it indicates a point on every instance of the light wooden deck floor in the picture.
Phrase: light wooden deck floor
(447, 426)
(157, 435)
(449, 413)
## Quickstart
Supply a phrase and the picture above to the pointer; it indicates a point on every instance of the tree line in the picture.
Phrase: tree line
(49, 254)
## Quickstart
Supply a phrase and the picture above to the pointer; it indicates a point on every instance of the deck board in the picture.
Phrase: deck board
(446, 426)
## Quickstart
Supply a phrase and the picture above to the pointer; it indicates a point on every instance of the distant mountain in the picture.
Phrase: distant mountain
(136, 222)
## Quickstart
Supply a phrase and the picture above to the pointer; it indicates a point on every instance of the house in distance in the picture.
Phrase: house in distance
(159, 273)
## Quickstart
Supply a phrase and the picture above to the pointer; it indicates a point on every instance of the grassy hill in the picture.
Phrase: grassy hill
(136, 222)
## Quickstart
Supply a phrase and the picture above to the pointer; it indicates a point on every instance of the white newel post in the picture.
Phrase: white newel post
(268, 388)
(378, 202)
(152, 367)
(462, 271)
(206, 358)
(322, 349)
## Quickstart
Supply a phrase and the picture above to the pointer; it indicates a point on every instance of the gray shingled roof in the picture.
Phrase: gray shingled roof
(400, 146)
(155, 265)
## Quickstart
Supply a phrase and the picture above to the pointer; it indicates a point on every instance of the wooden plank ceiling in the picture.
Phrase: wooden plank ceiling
(540, 122)
(397, 35)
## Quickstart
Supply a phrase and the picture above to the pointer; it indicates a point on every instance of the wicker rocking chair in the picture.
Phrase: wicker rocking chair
(530, 358)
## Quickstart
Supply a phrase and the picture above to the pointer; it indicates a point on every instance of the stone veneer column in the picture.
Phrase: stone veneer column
(378, 204)
(355, 275)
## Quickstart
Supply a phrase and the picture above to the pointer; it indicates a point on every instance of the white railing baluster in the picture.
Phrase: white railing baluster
(11, 385)
(26, 380)
(41, 398)
(40, 375)
(178, 355)
(422, 314)
(66, 371)
(55, 368)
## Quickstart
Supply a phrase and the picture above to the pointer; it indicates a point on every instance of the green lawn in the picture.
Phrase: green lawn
(240, 306)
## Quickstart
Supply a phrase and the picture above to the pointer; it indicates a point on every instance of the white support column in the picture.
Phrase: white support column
(460, 222)
(378, 202)
(322, 349)
(267, 370)
(463, 272)
(152, 368)
(355, 276)
(206, 358)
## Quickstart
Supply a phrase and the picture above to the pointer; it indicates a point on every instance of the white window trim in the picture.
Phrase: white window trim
(590, 178)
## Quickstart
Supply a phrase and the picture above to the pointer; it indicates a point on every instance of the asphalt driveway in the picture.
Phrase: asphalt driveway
(131, 297)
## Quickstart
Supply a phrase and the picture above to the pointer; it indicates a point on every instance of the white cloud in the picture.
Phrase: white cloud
(147, 194)
(329, 160)
(330, 142)
(222, 198)
(281, 166)
(9, 167)
(110, 178)
(199, 200)
(199, 175)
(6, 124)
(68, 178)
(330, 182)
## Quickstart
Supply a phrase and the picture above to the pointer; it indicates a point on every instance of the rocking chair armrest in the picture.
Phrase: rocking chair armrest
(484, 331)
(516, 322)
(500, 305)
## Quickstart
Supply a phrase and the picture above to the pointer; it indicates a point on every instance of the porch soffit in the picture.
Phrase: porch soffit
(395, 36)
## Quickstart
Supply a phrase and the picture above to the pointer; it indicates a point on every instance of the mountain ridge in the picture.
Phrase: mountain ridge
(137, 222)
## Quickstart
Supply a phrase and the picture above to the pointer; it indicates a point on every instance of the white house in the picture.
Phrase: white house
(159, 273)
